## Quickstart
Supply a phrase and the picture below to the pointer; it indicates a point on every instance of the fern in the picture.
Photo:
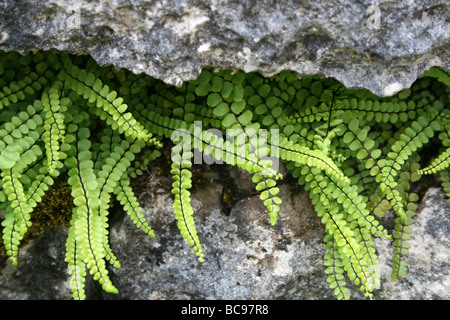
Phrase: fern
(355, 153)
(182, 203)
(440, 74)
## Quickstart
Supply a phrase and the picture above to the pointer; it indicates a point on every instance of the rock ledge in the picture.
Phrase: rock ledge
(381, 46)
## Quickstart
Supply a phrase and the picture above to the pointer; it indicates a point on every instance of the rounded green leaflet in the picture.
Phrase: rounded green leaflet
(271, 102)
(348, 137)
(264, 90)
(261, 109)
(227, 89)
(264, 195)
(239, 77)
(203, 89)
(238, 106)
(221, 109)
(189, 117)
(179, 112)
(238, 93)
(245, 118)
(354, 125)
(326, 96)
(216, 84)
(254, 100)
(311, 101)
(204, 77)
(288, 129)
(277, 111)
(268, 120)
(214, 99)
(369, 144)
(229, 120)
(316, 88)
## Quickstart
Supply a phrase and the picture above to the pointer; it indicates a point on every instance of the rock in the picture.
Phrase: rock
(428, 277)
(41, 273)
(383, 46)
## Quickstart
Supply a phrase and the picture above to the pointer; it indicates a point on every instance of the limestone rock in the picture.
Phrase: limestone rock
(41, 273)
(379, 45)
(428, 277)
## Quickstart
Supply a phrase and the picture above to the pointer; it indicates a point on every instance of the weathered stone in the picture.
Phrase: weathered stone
(381, 46)
(41, 273)
(428, 276)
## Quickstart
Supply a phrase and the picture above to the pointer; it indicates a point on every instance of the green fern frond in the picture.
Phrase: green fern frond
(17, 220)
(401, 245)
(182, 207)
(89, 225)
(54, 126)
(356, 154)
(131, 206)
(335, 270)
(75, 263)
(93, 90)
(357, 259)
(440, 163)
(440, 74)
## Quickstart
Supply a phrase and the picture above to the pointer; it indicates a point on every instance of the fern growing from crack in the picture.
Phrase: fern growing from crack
(358, 155)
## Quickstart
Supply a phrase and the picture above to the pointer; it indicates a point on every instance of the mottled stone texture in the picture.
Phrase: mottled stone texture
(380, 45)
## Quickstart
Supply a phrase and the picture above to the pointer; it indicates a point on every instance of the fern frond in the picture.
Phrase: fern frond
(290, 151)
(440, 163)
(401, 236)
(19, 90)
(17, 221)
(335, 270)
(18, 135)
(413, 138)
(89, 225)
(358, 259)
(441, 75)
(131, 206)
(54, 126)
(182, 203)
(76, 266)
(268, 195)
(93, 90)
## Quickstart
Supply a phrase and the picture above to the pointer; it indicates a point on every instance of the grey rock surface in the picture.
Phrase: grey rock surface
(428, 277)
(379, 45)
(41, 273)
